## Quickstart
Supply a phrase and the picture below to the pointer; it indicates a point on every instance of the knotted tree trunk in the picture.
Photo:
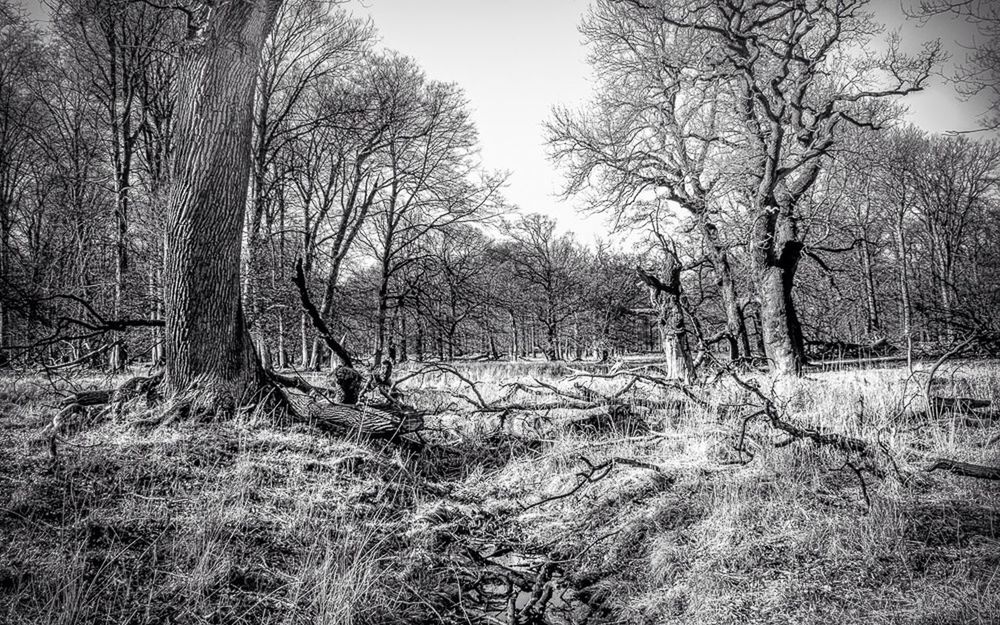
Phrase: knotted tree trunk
(776, 258)
(739, 338)
(207, 343)
(665, 297)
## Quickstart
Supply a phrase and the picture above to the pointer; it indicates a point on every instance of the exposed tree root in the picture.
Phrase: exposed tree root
(306, 403)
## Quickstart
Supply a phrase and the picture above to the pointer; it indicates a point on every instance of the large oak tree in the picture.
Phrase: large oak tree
(207, 343)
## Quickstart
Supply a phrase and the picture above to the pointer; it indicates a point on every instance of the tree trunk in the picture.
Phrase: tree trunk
(872, 323)
(403, 338)
(418, 342)
(735, 322)
(779, 322)
(451, 342)
(282, 355)
(513, 336)
(776, 260)
(380, 319)
(4, 243)
(206, 337)
(906, 308)
(303, 342)
(665, 297)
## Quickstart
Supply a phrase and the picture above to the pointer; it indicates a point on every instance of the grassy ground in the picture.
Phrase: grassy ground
(246, 522)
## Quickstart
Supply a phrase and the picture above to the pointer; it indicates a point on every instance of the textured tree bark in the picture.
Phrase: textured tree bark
(665, 296)
(207, 343)
(5, 207)
(906, 308)
(404, 352)
(418, 342)
(735, 322)
(776, 259)
(872, 322)
(551, 350)
(382, 315)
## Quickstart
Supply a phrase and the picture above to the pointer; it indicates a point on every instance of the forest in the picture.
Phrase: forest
(276, 347)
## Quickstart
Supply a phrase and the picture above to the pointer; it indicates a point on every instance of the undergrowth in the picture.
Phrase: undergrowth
(249, 522)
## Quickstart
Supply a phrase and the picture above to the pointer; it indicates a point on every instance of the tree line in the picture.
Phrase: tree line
(766, 199)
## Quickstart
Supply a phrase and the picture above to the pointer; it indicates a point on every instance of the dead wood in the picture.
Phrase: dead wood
(816, 436)
(595, 473)
(366, 421)
(933, 402)
(306, 402)
(966, 469)
(296, 382)
(317, 319)
(961, 405)
(75, 407)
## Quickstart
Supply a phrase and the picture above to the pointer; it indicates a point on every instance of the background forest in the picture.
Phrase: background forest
(369, 172)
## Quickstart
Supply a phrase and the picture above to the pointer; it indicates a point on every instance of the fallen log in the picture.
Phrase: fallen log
(960, 405)
(365, 420)
(966, 469)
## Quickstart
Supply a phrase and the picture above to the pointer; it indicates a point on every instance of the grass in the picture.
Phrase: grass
(247, 522)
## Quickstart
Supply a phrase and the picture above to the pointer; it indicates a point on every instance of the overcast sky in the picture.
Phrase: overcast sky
(518, 58)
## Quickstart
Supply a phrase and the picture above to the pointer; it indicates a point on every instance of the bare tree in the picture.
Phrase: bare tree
(654, 128)
(434, 181)
(20, 65)
(313, 44)
(549, 269)
(113, 42)
(773, 64)
(955, 178)
(665, 293)
(980, 72)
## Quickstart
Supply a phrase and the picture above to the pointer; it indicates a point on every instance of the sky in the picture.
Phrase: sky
(516, 59)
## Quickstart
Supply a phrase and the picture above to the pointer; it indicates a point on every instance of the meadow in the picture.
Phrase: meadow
(687, 512)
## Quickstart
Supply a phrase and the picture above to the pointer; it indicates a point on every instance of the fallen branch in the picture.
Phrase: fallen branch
(818, 437)
(317, 319)
(934, 403)
(966, 469)
(595, 473)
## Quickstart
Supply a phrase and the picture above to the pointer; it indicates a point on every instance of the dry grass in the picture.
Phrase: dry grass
(251, 523)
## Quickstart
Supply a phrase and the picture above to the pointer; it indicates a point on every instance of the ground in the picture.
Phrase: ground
(252, 522)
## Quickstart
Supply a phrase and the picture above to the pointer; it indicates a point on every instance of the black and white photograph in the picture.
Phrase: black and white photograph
(466, 312)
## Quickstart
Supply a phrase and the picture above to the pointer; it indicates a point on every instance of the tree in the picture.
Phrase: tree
(785, 81)
(549, 269)
(341, 171)
(207, 343)
(113, 44)
(652, 130)
(453, 287)
(433, 179)
(20, 66)
(612, 299)
(665, 296)
(955, 179)
(312, 46)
